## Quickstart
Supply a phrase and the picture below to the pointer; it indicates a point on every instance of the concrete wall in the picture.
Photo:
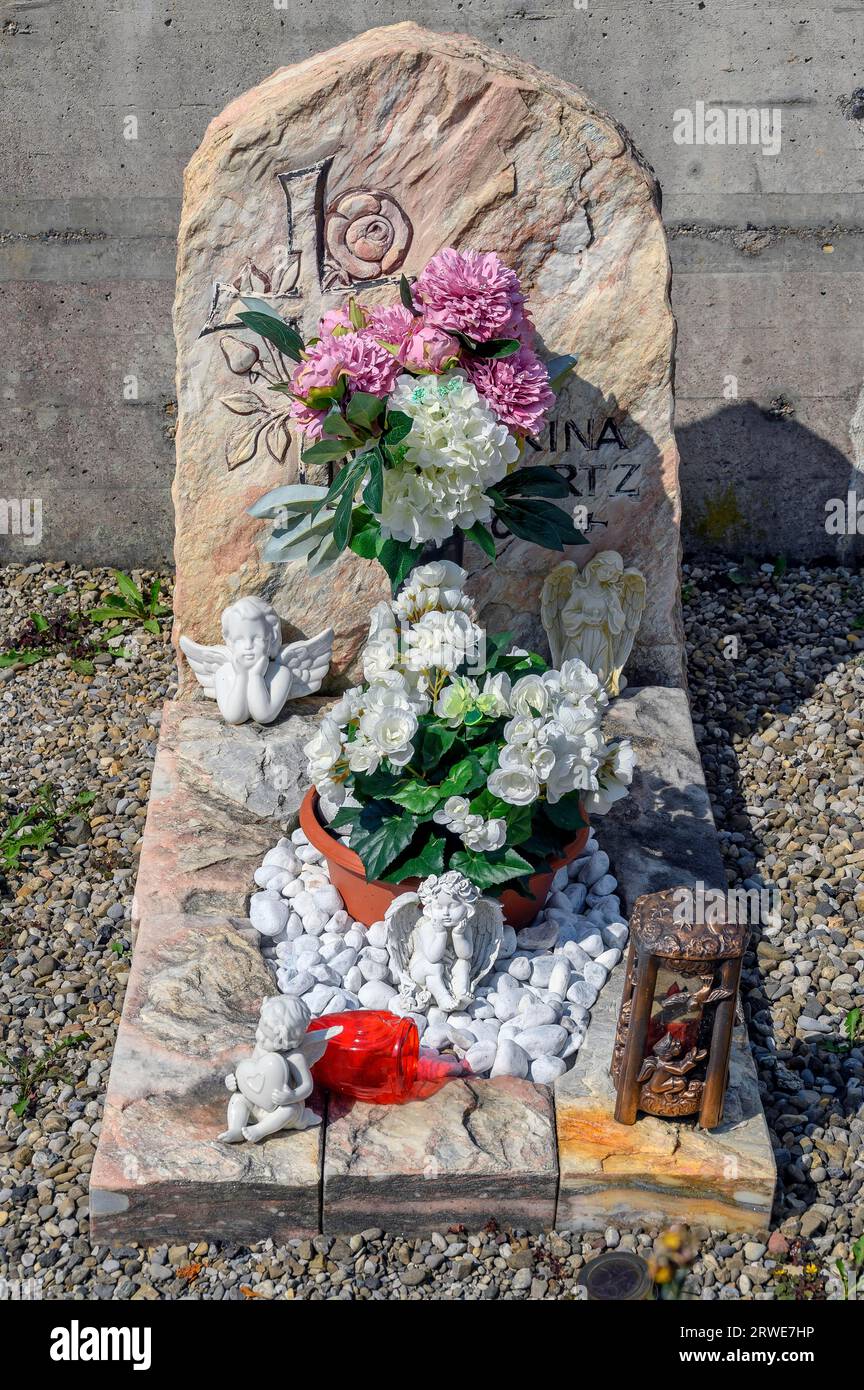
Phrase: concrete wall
(768, 249)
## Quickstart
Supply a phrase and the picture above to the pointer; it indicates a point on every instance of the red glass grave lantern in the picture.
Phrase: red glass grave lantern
(377, 1058)
(671, 1054)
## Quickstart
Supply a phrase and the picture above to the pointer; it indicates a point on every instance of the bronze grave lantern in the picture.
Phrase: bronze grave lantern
(671, 1053)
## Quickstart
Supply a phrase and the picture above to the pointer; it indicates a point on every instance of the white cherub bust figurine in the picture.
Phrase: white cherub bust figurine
(442, 940)
(271, 1087)
(253, 675)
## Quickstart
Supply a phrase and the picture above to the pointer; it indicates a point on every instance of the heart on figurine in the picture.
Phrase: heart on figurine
(258, 1078)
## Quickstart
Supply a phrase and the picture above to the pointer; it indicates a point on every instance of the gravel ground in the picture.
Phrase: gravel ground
(780, 734)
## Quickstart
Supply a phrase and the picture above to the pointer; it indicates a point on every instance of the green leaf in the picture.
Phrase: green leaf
(433, 743)
(538, 481)
(398, 559)
(560, 367)
(373, 493)
(335, 423)
(151, 625)
(323, 557)
(364, 409)
(399, 425)
(377, 834)
(405, 294)
(83, 667)
(495, 347)
(481, 536)
(110, 615)
(529, 528)
(367, 541)
(342, 519)
(326, 451)
(275, 330)
(356, 316)
(518, 818)
(39, 622)
(488, 870)
(26, 658)
(323, 397)
(464, 776)
(129, 589)
(417, 797)
(291, 500)
(566, 813)
(429, 860)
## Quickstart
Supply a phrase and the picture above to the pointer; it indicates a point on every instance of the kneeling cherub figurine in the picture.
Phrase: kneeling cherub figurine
(270, 1087)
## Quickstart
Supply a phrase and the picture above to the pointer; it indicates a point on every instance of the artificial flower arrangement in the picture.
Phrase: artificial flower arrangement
(432, 768)
(425, 405)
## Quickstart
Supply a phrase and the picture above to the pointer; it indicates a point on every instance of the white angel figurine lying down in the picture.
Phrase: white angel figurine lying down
(270, 1087)
(253, 675)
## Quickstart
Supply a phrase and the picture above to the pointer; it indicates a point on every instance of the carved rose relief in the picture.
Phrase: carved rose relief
(367, 236)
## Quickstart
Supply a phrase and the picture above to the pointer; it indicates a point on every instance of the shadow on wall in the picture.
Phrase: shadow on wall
(737, 472)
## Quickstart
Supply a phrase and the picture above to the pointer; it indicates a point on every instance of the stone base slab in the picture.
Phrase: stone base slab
(476, 1149)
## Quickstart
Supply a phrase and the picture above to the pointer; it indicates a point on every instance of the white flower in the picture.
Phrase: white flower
(495, 696)
(455, 451)
(390, 730)
(575, 681)
(530, 695)
(323, 750)
(443, 641)
(456, 699)
(362, 754)
(518, 786)
(616, 774)
(575, 764)
(485, 836)
(453, 813)
(380, 655)
(348, 706)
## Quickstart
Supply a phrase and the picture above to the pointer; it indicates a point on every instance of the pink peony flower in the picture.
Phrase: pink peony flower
(334, 318)
(392, 323)
(357, 356)
(428, 348)
(516, 389)
(471, 292)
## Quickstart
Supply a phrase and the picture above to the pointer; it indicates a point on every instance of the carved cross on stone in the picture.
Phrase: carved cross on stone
(356, 240)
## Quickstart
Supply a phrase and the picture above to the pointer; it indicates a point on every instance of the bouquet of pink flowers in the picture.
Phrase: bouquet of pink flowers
(423, 408)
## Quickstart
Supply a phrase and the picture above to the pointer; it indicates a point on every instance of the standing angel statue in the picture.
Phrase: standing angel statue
(442, 940)
(594, 614)
(273, 1084)
(253, 675)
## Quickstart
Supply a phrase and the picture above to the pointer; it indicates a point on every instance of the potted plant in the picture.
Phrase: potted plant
(423, 409)
(457, 752)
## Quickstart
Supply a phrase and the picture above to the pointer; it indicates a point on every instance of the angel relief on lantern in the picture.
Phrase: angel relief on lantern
(671, 1053)
(253, 674)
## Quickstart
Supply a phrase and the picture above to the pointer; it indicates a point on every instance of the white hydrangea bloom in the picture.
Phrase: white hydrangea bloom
(455, 451)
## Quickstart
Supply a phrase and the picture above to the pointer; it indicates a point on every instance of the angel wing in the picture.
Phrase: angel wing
(205, 662)
(314, 1044)
(557, 588)
(308, 662)
(401, 918)
(488, 927)
(631, 592)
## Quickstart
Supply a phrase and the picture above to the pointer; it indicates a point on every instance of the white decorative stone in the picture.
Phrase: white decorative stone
(253, 674)
(594, 867)
(593, 614)
(546, 1040)
(481, 1056)
(541, 937)
(510, 1059)
(272, 1086)
(268, 913)
(545, 1070)
(375, 994)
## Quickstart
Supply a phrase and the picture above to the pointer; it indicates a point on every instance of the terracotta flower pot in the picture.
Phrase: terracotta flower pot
(367, 902)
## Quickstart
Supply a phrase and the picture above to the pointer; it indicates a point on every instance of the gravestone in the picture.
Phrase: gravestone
(332, 178)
